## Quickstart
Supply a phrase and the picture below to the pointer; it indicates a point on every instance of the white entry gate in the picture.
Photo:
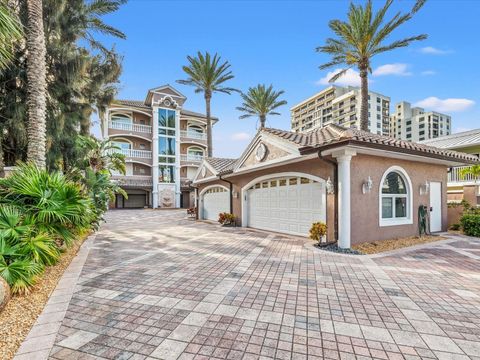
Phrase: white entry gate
(286, 204)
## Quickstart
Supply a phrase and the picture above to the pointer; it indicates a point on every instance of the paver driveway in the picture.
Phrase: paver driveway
(161, 286)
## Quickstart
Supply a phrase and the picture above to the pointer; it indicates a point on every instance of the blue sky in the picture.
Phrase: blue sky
(274, 42)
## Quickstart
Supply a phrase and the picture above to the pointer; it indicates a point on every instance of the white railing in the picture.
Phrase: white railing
(141, 154)
(455, 176)
(192, 158)
(130, 127)
(193, 135)
(133, 180)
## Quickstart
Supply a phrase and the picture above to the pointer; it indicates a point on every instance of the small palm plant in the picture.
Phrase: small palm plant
(208, 75)
(100, 155)
(362, 37)
(261, 101)
(473, 171)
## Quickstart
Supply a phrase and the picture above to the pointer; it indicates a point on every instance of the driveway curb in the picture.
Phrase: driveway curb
(41, 338)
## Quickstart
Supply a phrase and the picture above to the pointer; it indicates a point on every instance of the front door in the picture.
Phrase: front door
(435, 206)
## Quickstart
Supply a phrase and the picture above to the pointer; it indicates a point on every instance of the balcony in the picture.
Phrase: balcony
(455, 177)
(193, 136)
(136, 181)
(190, 158)
(133, 153)
(129, 128)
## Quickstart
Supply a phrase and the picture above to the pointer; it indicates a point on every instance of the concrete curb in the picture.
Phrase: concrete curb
(41, 338)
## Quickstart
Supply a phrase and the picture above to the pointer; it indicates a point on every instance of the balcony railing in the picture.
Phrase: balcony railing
(192, 158)
(193, 135)
(455, 176)
(130, 127)
(141, 154)
(133, 180)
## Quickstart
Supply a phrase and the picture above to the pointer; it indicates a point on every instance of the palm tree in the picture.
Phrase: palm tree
(362, 37)
(473, 171)
(261, 101)
(100, 155)
(36, 84)
(10, 33)
(207, 74)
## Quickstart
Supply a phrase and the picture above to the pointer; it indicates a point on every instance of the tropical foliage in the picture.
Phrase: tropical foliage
(208, 74)
(261, 101)
(10, 34)
(82, 79)
(471, 171)
(318, 231)
(362, 36)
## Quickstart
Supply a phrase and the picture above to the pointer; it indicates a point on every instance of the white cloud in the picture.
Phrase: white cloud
(428, 72)
(350, 78)
(430, 50)
(445, 105)
(241, 136)
(398, 69)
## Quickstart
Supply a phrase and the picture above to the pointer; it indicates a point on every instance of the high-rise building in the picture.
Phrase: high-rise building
(414, 124)
(341, 105)
(164, 145)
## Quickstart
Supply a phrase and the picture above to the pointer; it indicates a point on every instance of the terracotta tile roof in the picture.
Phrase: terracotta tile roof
(133, 103)
(332, 135)
(221, 165)
(195, 114)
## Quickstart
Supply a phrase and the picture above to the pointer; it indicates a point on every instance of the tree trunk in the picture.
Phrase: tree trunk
(263, 119)
(36, 84)
(208, 97)
(364, 100)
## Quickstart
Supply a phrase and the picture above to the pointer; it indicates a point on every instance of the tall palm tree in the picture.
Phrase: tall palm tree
(36, 84)
(208, 75)
(10, 33)
(362, 37)
(261, 101)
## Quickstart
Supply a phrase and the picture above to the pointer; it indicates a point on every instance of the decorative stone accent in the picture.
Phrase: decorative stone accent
(167, 198)
(4, 293)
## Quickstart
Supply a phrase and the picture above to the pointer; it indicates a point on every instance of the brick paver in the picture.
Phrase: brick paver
(156, 285)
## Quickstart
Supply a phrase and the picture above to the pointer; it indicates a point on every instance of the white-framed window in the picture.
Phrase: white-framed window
(395, 205)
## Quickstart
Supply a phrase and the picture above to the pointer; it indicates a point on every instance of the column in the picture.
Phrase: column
(344, 158)
(177, 158)
(155, 158)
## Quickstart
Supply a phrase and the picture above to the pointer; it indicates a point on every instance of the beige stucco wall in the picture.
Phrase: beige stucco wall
(365, 207)
(314, 167)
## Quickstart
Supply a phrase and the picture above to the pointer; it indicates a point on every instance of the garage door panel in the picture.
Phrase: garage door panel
(290, 208)
(215, 201)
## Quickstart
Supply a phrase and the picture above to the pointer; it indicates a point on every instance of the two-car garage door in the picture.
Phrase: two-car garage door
(288, 204)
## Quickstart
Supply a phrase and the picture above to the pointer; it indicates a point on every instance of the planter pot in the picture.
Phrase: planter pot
(4, 293)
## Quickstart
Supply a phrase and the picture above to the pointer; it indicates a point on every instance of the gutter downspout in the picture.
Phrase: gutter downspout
(231, 192)
(335, 184)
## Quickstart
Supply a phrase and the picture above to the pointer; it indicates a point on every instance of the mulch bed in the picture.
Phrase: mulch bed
(376, 247)
(18, 317)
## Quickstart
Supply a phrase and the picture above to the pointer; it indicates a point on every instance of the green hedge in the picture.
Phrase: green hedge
(471, 224)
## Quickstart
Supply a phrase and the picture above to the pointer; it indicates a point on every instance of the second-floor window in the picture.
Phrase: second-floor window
(166, 144)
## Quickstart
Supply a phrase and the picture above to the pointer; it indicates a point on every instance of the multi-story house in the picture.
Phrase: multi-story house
(414, 124)
(164, 145)
(341, 106)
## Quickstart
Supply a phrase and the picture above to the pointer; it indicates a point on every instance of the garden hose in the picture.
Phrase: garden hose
(423, 221)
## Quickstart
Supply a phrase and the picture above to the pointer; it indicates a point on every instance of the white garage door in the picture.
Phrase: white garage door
(215, 201)
(289, 205)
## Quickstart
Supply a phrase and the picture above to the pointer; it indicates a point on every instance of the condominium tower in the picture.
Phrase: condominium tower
(164, 144)
(341, 105)
(414, 124)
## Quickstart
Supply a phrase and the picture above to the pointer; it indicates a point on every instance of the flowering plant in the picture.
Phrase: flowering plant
(318, 231)
(226, 218)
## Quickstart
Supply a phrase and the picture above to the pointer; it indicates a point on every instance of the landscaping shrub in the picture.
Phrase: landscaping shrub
(226, 218)
(318, 231)
(455, 227)
(471, 223)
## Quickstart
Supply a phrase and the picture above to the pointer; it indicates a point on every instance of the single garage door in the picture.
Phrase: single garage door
(135, 201)
(289, 205)
(215, 201)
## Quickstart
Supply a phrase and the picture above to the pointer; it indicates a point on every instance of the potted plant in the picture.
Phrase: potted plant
(226, 219)
(318, 231)
(192, 212)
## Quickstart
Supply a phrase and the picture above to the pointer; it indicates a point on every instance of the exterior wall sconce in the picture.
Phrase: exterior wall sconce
(329, 186)
(235, 194)
(425, 188)
(367, 185)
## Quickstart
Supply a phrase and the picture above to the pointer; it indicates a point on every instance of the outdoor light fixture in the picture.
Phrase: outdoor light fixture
(425, 188)
(367, 185)
(329, 186)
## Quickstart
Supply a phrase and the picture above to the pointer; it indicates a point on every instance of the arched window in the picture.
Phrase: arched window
(395, 198)
(119, 118)
(195, 128)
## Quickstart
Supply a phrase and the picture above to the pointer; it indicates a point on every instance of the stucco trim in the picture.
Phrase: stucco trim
(393, 222)
(128, 108)
(273, 176)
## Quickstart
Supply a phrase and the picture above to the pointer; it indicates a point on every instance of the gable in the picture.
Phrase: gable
(205, 171)
(266, 149)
